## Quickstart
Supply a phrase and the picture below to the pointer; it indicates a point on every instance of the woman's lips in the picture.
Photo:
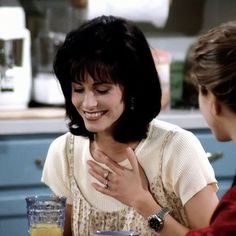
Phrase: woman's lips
(93, 115)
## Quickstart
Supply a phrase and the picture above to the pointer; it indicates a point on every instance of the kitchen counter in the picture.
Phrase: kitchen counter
(52, 120)
(33, 120)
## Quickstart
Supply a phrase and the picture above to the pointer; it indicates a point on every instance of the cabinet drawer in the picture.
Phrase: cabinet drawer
(21, 160)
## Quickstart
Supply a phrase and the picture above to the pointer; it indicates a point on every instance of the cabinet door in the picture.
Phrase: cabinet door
(21, 163)
(224, 166)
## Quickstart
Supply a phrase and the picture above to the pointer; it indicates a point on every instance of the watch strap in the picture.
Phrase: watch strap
(163, 212)
(156, 221)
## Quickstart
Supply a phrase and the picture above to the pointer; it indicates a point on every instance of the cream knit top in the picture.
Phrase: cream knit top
(174, 162)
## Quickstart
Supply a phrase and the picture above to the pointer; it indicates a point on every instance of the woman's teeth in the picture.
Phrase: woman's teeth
(93, 115)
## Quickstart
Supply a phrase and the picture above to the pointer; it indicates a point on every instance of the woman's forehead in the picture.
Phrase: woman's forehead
(98, 75)
(90, 80)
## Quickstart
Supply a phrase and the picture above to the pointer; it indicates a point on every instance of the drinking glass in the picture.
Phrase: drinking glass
(46, 215)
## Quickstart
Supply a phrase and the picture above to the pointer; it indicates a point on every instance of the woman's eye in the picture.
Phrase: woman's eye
(78, 90)
(102, 91)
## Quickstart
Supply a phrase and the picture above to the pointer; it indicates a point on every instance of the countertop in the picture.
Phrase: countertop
(52, 120)
(33, 120)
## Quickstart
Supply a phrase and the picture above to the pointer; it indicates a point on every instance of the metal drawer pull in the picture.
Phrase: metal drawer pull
(39, 163)
(212, 156)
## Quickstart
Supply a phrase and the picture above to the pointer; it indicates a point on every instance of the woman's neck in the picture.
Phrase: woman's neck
(112, 148)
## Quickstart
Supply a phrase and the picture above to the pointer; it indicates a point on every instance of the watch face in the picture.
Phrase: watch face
(155, 223)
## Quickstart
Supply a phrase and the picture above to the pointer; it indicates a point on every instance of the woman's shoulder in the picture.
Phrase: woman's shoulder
(158, 126)
(170, 133)
(62, 141)
(59, 148)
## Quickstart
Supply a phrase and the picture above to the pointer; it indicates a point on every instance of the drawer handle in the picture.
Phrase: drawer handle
(39, 163)
(212, 156)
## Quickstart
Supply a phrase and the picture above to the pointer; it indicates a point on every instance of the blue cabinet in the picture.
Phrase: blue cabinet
(21, 162)
(224, 166)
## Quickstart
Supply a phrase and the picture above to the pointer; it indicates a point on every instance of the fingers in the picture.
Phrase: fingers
(137, 168)
(132, 159)
(108, 178)
(100, 156)
(102, 189)
(106, 184)
(112, 165)
(106, 174)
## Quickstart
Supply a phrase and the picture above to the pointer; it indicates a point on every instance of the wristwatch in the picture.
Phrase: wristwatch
(156, 221)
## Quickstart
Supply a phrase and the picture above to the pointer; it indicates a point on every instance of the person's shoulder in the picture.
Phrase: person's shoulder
(162, 128)
(60, 145)
(157, 126)
(65, 138)
(61, 139)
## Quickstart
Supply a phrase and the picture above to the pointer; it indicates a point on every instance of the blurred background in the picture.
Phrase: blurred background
(172, 26)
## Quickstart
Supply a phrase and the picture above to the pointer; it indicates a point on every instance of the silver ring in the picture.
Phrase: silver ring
(105, 175)
(106, 184)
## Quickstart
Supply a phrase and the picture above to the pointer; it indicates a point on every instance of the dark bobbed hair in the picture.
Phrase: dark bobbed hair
(111, 49)
(214, 63)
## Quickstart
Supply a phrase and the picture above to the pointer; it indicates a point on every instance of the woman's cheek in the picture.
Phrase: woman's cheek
(74, 100)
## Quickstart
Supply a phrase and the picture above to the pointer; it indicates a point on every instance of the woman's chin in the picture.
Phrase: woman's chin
(93, 129)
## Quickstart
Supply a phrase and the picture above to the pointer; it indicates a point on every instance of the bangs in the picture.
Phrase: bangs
(99, 71)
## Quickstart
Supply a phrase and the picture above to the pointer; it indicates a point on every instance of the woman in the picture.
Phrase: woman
(213, 72)
(112, 95)
(213, 66)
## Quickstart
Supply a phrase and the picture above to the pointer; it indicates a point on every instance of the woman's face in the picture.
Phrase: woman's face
(99, 104)
(207, 105)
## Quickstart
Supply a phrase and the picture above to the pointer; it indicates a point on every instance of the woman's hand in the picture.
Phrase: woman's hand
(125, 185)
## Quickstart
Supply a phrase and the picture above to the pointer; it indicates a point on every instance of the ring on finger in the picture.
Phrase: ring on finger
(106, 174)
(106, 184)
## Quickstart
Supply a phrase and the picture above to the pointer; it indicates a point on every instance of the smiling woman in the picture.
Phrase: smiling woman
(100, 104)
(115, 166)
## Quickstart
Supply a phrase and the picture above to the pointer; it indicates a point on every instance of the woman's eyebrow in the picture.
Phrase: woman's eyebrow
(101, 83)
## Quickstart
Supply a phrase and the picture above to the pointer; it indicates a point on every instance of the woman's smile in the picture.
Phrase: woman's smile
(93, 115)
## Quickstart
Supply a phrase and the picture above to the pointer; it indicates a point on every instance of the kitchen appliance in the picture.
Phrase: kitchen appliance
(46, 89)
(15, 63)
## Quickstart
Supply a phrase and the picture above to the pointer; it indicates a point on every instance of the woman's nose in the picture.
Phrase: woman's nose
(89, 100)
